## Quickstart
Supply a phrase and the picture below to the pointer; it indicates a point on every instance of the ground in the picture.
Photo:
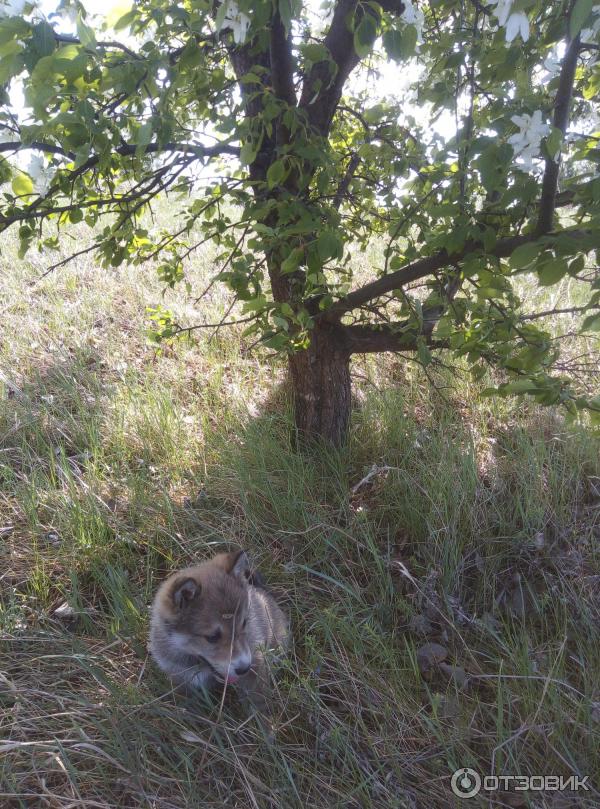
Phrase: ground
(450, 519)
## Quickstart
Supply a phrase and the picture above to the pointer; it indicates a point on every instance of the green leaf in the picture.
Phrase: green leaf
(143, 136)
(329, 245)
(117, 11)
(577, 265)
(43, 40)
(9, 50)
(276, 173)
(554, 143)
(393, 44)
(222, 9)
(67, 53)
(524, 255)
(593, 405)
(24, 246)
(292, 262)
(84, 32)
(314, 52)
(364, 35)
(254, 304)
(591, 323)
(489, 239)
(581, 11)
(492, 164)
(249, 150)
(424, 353)
(519, 386)
(125, 20)
(286, 12)
(552, 271)
(22, 185)
(409, 40)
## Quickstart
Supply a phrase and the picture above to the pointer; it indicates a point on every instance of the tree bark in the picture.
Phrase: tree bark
(320, 378)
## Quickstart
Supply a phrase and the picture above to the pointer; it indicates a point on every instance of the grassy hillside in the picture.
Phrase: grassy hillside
(477, 530)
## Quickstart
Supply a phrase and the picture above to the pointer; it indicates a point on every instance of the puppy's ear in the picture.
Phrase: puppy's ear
(184, 592)
(236, 564)
(240, 565)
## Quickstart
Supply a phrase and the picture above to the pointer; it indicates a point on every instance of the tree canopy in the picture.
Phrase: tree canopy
(464, 135)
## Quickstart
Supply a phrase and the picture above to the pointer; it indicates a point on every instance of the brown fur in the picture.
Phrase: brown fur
(216, 600)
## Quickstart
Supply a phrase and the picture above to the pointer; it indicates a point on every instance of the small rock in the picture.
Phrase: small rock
(429, 655)
(421, 624)
(64, 612)
(539, 540)
(52, 538)
(456, 673)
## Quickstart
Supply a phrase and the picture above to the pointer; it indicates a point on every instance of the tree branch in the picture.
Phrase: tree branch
(282, 75)
(67, 260)
(148, 189)
(72, 40)
(386, 337)
(243, 59)
(412, 272)
(17, 146)
(126, 150)
(560, 120)
(282, 65)
(432, 314)
(181, 329)
(342, 188)
(320, 91)
(571, 310)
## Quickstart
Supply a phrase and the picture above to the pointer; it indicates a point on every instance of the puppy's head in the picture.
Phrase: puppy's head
(209, 611)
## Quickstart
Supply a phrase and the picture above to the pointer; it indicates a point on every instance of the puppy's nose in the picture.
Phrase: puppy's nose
(240, 670)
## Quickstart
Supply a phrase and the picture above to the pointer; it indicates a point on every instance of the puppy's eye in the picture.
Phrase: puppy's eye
(215, 637)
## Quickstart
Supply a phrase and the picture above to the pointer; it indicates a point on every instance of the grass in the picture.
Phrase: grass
(478, 531)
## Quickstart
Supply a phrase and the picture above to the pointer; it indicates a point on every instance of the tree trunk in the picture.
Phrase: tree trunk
(320, 378)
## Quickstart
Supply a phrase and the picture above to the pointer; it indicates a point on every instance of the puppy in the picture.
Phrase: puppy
(212, 624)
